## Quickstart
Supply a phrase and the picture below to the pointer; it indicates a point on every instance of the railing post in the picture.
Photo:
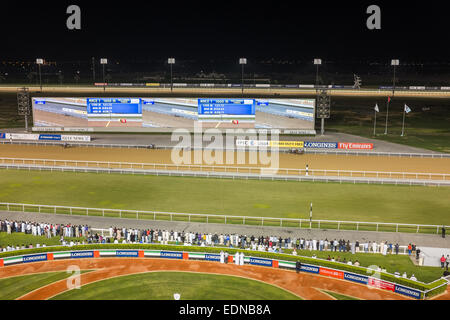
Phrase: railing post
(137, 215)
(377, 226)
(171, 217)
(262, 221)
(120, 213)
(207, 220)
(7, 207)
(281, 222)
(243, 220)
(357, 226)
(54, 209)
(318, 225)
(396, 228)
(417, 229)
(87, 211)
(339, 224)
(103, 212)
(225, 219)
(70, 210)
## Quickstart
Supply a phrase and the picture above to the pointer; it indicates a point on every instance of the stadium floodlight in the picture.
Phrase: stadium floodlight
(104, 61)
(394, 63)
(40, 61)
(242, 62)
(317, 63)
(171, 61)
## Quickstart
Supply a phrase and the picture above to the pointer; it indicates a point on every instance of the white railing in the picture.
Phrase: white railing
(228, 169)
(283, 150)
(227, 175)
(223, 219)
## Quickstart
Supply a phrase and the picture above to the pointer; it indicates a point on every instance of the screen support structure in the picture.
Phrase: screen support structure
(23, 104)
(323, 109)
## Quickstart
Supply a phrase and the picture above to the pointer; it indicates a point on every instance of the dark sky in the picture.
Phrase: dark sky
(216, 29)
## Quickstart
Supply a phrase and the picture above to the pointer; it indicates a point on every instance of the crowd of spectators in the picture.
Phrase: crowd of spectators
(128, 235)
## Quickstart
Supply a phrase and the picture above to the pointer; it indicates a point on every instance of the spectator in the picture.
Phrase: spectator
(447, 262)
(442, 261)
(356, 263)
(413, 277)
(409, 249)
(443, 231)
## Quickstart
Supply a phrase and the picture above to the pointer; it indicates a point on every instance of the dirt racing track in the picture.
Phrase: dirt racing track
(306, 286)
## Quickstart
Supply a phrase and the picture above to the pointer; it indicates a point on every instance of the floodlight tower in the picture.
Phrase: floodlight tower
(242, 62)
(103, 62)
(39, 62)
(394, 63)
(317, 63)
(171, 62)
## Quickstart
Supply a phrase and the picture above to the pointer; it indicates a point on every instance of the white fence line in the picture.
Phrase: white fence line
(258, 221)
(229, 169)
(311, 151)
(226, 175)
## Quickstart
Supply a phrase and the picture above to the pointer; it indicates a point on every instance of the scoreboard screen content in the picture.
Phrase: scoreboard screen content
(226, 107)
(114, 105)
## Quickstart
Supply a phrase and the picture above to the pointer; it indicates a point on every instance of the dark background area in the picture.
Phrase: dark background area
(279, 39)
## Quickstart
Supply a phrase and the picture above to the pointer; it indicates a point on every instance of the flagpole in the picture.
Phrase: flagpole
(387, 116)
(375, 123)
(403, 125)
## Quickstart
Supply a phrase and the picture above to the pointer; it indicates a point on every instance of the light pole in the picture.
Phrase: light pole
(394, 63)
(242, 62)
(171, 62)
(103, 61)
(317, 63)
(93, 70)
(39, 62)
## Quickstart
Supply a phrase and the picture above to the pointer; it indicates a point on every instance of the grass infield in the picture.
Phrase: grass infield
(279, 199)
(15, 287)
(190, 286)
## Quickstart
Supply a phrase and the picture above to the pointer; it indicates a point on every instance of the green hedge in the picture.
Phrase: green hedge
(433, 286)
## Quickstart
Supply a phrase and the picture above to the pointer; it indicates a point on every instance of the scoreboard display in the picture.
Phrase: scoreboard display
(114, 105)
(226, 107)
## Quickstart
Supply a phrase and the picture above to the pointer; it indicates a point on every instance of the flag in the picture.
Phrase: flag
(407, 109)
(376, 108)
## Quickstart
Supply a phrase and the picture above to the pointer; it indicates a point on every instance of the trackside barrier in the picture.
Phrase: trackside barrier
(274, 263)
(42, 163)
(223, 219)
(311, 151)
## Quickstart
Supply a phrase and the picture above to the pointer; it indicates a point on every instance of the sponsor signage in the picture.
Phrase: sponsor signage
(310, 269)
(2, 135)
(331, 273)
(269, 143)
(76, 138)
(24, 136)
(321, 145)
(407, 291)
(261, 262)
(377, 283)
(171, 254)
(127, 253)
(34, 258)
(49, 137)
(212, 257)
(355, 146)
(356, 278)
(82, 254)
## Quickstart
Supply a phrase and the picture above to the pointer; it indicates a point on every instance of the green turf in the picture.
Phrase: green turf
(190, 286)
(340, 296)
(379, 203)
(14, 287)
(19, 239)
(427, 129)
(390, 262)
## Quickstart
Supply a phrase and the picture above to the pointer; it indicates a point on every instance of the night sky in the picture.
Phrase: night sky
(216, 29)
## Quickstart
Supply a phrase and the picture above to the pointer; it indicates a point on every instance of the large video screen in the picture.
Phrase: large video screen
(174, 113)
